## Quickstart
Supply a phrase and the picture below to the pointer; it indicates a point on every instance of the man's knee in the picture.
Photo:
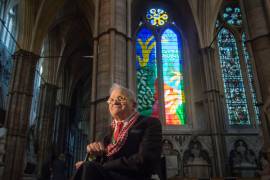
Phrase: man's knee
(93, 170)
(90, 166)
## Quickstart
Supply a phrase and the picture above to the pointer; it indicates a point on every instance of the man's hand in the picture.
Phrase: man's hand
(78, 164)
(95, 149)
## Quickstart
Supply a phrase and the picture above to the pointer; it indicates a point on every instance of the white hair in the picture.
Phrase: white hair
(128, 92)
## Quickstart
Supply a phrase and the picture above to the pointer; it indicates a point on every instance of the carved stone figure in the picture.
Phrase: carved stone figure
(242, 159)
(196, 161)
(172, 158)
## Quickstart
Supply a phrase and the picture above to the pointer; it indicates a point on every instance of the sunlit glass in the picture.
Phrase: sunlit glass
(119, 99)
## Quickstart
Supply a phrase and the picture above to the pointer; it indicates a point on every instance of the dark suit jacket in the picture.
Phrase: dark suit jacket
(141, 151)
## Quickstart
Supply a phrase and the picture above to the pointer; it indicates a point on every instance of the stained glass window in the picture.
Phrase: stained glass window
(232, 15)
(146, 68)
(235, 94)
(250, 77)
(157, 17)
(159, 59)
(236, 97)
(174, 96)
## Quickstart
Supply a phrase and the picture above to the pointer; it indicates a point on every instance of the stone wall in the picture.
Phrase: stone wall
(188, 155)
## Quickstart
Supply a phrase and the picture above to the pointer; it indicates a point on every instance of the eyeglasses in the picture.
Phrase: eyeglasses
(120, 99)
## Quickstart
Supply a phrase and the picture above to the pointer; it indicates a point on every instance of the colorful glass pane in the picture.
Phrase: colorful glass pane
(235, 96)
(146, 69)
(232, 15)
(157, 17)
(250, 77)
(172, 64)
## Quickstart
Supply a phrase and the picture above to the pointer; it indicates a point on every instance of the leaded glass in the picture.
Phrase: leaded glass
(146, 69)
(174, 96)
(250, 77)
(232, 15)
(157, 17)
(235, 96)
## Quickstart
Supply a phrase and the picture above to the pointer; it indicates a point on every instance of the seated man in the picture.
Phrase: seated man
(132, 148)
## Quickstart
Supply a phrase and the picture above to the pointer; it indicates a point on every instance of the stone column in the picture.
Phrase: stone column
(2, 149)
(110, 57)
(46, 119)
(216, 116)
(267, 10)
(94, 76)
(61, 124)
(130, 50)
(259, 40)
(18, 111)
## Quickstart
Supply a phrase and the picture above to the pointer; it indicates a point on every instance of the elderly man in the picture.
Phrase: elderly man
(132, 148)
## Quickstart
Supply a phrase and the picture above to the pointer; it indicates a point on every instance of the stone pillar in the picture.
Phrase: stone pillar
(130, 50)
(267, 10)
(110, 57)
(61, 125)
(259, 40)
(46, 119)
(2, 149)
(18, 111)
(216, 116)
(94, 77)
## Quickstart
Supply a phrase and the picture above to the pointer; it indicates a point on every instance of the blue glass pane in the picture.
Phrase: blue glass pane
(146, 69)
(250, 77)
(172, 63)
(232, 15)
(235, 95)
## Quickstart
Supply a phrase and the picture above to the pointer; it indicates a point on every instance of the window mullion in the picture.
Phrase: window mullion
(160, 81)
